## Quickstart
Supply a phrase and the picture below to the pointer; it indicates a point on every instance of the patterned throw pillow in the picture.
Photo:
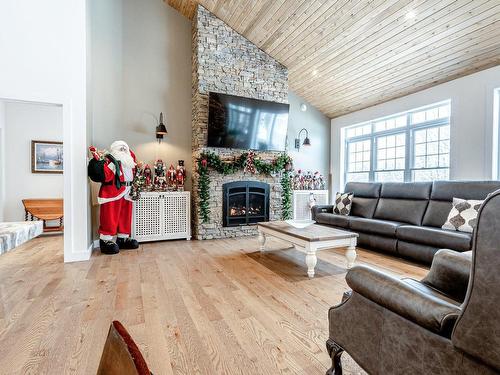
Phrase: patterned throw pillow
(343, 203)
(463, 215)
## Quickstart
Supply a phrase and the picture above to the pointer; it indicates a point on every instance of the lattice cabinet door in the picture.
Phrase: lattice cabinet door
(302, 202)
(162, 216)
(176, 215)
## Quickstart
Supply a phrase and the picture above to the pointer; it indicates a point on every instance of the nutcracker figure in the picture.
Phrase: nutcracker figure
(115, 171)
(172, 177)
(148, 180)
(181, 175)
(160, 181)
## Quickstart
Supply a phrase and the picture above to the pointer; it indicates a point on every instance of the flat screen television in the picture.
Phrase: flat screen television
(244, 123)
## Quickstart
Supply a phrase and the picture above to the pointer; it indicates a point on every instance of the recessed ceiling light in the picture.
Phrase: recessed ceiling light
(411, 14)
(314, 72)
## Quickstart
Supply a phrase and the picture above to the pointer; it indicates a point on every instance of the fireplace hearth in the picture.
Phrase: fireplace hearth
(245, 203)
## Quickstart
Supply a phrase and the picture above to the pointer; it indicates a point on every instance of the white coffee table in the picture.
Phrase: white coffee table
(310, 239)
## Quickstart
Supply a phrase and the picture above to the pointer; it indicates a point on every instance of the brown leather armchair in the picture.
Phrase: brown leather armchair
(446, 323)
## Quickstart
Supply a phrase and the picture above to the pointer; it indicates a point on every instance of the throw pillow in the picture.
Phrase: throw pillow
(463, 215)
(343, 203)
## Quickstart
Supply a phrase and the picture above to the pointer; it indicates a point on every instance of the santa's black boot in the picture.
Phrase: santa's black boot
(127, 243)
(108, 247)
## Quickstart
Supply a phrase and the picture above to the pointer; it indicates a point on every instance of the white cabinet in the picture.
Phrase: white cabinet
(302, 202)
(162, 216)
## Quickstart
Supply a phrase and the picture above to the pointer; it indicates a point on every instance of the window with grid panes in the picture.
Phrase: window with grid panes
(410, 146)
(358, 160)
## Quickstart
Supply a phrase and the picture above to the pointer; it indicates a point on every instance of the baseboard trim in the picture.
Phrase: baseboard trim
(80, 256)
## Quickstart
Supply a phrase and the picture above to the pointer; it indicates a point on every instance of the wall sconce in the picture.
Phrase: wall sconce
(161, 129)
(307, 141)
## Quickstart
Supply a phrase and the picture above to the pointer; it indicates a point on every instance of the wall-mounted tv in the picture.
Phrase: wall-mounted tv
(244, 123)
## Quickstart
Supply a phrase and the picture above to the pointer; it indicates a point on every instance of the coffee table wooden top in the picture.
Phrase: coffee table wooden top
(312, 233)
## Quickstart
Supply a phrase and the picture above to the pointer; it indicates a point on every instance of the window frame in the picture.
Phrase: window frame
(409, 130)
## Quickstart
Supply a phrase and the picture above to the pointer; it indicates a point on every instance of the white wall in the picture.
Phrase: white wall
(43, 46)
(471, 123)
(316, 157)
(141, 66)
(25, 122)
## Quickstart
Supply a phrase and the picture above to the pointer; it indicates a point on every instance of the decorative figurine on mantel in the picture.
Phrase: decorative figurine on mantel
(318, 181)
(148, 178)
(172, 177)
(138, 182)
(308, 181)
(181, 175)
(160, 181)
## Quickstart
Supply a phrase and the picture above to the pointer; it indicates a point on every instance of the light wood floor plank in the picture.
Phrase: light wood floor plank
(193, 307)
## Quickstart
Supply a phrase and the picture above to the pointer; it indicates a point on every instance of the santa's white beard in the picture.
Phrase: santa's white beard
(124, 157)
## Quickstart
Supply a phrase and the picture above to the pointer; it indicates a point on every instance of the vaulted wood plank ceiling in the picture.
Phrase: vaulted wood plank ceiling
(346, 55)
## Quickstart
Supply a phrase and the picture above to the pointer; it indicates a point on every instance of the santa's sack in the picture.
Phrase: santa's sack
(95, 170)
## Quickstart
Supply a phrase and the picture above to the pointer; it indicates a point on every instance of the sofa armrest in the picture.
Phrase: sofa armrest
(321, 209)
(449, 273)
(427, 311)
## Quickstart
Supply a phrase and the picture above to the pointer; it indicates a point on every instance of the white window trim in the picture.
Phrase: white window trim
(408, 130)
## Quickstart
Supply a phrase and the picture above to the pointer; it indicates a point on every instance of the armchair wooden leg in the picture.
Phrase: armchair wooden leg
(335, 352)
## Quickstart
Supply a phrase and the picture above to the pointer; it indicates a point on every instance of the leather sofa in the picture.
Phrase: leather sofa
(447, 323)
(405, 219)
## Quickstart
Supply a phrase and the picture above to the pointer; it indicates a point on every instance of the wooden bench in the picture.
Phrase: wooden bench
(45, 210)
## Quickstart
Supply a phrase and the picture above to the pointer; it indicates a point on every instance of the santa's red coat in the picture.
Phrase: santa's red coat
(108, 191)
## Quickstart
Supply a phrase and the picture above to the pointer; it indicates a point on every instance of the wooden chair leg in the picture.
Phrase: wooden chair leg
(335, 352)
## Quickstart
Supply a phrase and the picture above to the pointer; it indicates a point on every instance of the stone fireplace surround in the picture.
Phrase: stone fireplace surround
(226, 62)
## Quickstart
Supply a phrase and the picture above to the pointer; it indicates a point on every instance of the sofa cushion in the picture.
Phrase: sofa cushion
(435, 237)
(363, 207)
(365, 199)
(403, 210)
(436, 213)
(341, 221)
(406, 190)
(364, 189)
(446, 190)
(442, 195)
(404, 202)
(383, 227)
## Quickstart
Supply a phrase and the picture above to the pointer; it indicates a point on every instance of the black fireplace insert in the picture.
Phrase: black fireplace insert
(245, 203)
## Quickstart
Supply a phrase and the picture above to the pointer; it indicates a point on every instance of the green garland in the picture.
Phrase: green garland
(286, 194)
(209, 160)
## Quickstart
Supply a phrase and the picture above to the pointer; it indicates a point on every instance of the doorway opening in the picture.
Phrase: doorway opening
(31, 171)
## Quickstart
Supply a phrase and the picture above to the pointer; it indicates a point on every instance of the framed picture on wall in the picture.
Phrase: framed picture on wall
(46, 157)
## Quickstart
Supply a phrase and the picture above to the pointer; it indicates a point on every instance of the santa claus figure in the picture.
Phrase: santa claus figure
(116, 172)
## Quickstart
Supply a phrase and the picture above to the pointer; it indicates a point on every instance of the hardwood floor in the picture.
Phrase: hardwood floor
(199, 307)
